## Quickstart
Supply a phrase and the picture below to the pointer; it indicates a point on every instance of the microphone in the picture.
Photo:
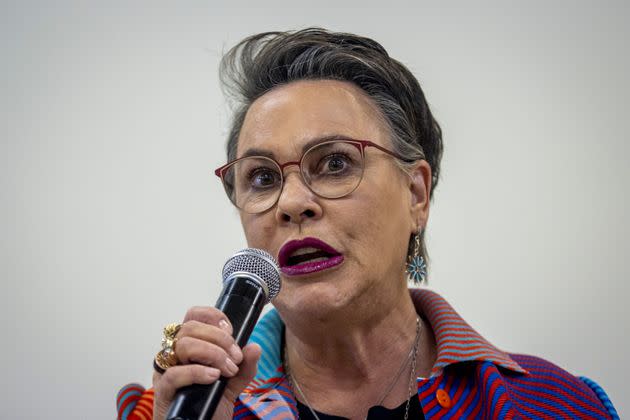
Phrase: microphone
(251, 278)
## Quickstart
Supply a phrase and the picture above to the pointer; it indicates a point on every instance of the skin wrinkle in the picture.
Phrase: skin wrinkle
(340, 321)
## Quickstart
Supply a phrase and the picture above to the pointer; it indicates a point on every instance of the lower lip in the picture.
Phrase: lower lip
(312, 267)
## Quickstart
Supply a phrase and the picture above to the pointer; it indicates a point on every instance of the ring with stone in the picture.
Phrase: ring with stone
(166, 357)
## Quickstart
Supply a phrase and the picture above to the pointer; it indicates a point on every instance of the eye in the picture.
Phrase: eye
(334, 164)
(263, 178)
(332, 161)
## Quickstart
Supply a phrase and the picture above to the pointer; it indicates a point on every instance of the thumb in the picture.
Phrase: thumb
(247, 371)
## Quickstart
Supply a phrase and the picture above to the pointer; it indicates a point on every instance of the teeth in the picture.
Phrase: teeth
(302, 251)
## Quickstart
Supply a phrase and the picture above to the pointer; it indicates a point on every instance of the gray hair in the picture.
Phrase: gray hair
(267, 60)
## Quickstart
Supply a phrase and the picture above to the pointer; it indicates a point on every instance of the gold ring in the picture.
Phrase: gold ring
(166, 357)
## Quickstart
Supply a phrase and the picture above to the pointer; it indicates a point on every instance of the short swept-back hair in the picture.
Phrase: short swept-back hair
(267, 60)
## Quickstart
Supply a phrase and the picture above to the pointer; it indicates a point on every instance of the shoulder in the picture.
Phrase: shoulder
(134, 402)
(529, 385)
(549, 384)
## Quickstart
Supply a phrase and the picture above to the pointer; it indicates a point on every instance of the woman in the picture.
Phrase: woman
(333, 158)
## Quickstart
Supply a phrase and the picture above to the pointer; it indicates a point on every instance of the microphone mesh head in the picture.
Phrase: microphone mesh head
(257, 262)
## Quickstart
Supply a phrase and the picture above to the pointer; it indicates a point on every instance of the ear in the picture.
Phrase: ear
(420, 189)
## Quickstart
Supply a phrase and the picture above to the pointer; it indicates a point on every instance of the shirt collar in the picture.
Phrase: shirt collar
(457, 342)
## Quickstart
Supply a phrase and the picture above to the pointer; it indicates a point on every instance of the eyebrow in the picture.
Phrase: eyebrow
(266, 153)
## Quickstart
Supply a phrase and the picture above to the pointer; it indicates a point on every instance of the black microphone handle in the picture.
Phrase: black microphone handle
(242, 301)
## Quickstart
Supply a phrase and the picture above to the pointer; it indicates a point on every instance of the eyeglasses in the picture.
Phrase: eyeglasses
(331, 169)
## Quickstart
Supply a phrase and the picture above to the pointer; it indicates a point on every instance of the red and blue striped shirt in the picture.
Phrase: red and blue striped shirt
(471, 378)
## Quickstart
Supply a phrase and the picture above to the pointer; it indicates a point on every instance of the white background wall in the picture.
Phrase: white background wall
(113, 223)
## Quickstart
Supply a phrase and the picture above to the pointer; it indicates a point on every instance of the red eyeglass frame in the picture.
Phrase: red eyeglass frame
(361, 145)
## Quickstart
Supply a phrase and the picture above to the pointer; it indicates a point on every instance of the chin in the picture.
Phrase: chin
(318, 300)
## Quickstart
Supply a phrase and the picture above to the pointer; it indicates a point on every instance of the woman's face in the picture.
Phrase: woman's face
(369, 228)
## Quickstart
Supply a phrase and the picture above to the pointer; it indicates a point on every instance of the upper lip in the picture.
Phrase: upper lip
(292, 246)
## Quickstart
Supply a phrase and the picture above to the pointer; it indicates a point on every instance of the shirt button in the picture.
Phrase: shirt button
(443, 398)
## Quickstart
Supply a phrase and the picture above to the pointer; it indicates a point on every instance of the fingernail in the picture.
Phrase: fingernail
(223, 324)
(236, 354)
(213, 373)
(231, 367)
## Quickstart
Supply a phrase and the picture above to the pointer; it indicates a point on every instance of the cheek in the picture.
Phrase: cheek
(382, 225)
(258, 230)
(386, 219)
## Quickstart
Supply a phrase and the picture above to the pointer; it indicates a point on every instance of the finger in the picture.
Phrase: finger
(211, 334)
(209, 315)
(175, 377)
(191, 350)
(247, 371)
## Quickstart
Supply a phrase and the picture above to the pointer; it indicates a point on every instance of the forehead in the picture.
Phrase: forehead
(290, 116)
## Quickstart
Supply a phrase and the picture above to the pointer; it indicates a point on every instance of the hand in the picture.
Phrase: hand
(206, 350)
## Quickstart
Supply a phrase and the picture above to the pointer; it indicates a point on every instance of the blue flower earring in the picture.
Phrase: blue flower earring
(416, 266)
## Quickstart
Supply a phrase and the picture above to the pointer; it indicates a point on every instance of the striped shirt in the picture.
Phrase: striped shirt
(471, 379)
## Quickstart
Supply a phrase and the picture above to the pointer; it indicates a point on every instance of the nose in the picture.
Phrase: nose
(297, 203)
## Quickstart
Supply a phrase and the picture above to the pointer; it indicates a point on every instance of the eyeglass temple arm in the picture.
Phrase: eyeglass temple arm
(367, 143)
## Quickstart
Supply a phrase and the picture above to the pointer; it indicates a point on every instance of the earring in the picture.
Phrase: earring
(416, 266)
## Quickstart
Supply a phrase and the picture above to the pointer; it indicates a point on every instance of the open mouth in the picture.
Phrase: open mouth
(307, 256)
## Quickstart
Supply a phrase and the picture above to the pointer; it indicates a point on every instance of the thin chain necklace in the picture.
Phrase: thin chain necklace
(413, 352)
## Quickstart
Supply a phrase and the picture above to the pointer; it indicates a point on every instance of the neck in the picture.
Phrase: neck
(354, 360)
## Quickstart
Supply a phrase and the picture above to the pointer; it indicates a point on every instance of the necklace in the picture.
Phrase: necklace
(413, 352)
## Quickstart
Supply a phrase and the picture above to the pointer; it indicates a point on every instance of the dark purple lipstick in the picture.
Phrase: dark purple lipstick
(306, 256)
